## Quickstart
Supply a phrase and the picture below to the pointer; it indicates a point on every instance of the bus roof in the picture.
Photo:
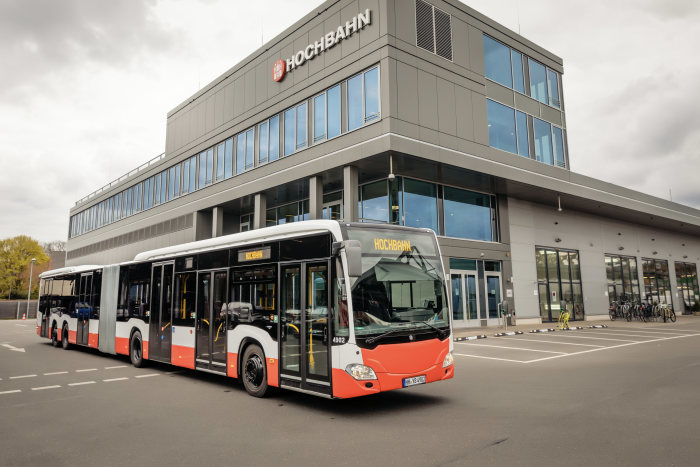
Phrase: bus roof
(252, 236)
(68, 270)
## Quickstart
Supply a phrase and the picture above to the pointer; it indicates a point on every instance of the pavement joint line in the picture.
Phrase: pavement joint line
(81, 383)
(147, 376)
(116, 366)
(611, 347)
(56, 373)
(23, 376)
(114, 379)
(86, 369)
(41, 388)
(558, 342)
(492, 358)
(517, 348)
(11, 392)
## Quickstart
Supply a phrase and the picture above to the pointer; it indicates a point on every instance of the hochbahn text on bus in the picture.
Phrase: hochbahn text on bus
(326, 308)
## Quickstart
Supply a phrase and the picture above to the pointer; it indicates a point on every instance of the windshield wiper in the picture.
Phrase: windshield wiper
(441, 332)
(374, 339)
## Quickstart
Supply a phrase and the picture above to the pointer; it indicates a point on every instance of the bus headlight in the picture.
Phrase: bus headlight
(449, 360)
(360, 372)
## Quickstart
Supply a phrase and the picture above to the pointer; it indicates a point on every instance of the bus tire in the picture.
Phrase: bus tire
(254, 371)
(54, 335)
(64, 338)
(136, 349)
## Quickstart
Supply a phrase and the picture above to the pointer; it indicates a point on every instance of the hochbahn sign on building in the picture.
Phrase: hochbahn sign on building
(329, 40)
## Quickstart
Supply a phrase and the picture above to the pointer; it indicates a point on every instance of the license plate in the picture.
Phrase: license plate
(413, 381)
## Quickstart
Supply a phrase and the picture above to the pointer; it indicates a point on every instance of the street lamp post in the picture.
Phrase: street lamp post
(29, 291)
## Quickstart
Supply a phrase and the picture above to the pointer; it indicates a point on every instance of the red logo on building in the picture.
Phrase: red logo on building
(278, 70)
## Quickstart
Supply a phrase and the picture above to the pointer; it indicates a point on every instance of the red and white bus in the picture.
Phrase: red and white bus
(331, 309)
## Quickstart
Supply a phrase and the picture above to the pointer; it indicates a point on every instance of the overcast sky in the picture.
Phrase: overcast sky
(85, 86)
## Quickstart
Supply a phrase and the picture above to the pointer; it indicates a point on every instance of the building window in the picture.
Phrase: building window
(469, 215)
(333, 94)
(228, 158)
(301, 121)
(220, 164)
(333, 206)
(289, 131)
(523, 139)
(240, 152)
(538, 81)
(518, 75)
(354, 102)
(206, 168)
(687, 284)
(274, 148)
(657, 285)
(320, 117)
(433, 30)
(501, 121)
(543, 141)
(374, 202)
(497, 62)
(559, 283)
(363, 98)
(420, 204)
(263, 141)
(623, 278)
(288, 213)
(371, 81)
(246, 222)
(553, 88)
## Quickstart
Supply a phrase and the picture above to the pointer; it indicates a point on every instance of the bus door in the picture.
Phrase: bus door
(84, 308)
(304, 326)
(210, 353)
(160, 332)
(45, 306)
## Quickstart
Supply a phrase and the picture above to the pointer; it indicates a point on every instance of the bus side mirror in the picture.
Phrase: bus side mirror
(353, 253)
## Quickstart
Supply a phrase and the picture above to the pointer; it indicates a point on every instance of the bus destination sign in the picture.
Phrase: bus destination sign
(387, 244)
(254, 254)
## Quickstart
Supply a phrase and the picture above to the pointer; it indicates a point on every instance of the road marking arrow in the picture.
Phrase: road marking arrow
(15, 349)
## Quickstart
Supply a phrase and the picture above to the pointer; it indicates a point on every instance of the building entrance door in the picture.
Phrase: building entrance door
(492, 282)
(465, 298)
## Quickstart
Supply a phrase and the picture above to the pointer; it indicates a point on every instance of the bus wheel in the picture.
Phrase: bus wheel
(54, 336)
(64, 338)
(254, 371)
(136, 350)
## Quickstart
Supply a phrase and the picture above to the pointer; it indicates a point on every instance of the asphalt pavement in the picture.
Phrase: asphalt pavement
(623, 395)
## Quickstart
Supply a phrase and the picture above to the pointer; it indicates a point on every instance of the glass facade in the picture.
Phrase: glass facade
(501, 122)
(559, 283)
(687, 285)
(238, 154)
(657, 285)
(623, 278)
(449, 211)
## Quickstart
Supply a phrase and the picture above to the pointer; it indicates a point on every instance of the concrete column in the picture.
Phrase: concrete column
(315, 198)
(217, 221)
(259, 211)
(202, 225)
(350, 194)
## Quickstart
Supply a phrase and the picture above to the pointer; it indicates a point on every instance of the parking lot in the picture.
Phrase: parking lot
(625, 395)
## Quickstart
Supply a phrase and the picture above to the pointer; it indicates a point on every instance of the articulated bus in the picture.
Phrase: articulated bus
(335, 310)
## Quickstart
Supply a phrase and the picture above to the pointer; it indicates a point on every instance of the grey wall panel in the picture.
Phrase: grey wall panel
(249, 90)
(405, 15)
(499, 93)
(219, 102)
(210, 114)
(464, 113)
(370, 34)
(526, 104)
(476, 51)
(427, 100)
(460, 43)
(332, 21)
(447, 110)
(238, 96)
(300, 73)
(318, 64)
(407, 92)
(228, 102)
(263, 74)
(351, 44)
(551, 115)
(481, 129)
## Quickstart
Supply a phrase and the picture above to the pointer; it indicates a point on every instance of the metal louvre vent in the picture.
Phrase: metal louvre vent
(443, 34)
(425, 33)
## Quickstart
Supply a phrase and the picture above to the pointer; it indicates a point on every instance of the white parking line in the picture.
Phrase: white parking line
(508, 347)
(23, 376)
(614, 333)
(612, 347)
(661, 333)
(11, 392)
(673, 330)
(56, 373)
(86, 369)
(117, 366)
(46, 387)
(81, 383)
(491, 358)
(597, 338)
(114, 379)
(551, 342)
(148, 375)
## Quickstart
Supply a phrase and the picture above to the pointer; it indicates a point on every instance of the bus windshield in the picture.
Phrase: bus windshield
(402, 285)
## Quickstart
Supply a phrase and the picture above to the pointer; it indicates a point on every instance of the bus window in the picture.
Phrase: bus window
(340, 302)
(183, 308)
